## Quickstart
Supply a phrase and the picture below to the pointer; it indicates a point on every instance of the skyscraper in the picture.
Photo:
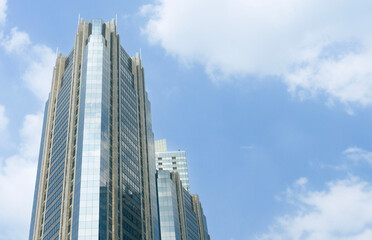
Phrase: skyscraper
(96, 169)
(173, 161)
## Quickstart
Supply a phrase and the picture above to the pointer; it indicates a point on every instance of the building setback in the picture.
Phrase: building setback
(96, 168)
(173, 161)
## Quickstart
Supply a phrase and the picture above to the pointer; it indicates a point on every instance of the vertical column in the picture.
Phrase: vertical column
(91, 198)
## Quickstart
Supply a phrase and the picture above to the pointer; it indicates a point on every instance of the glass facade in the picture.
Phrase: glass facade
(58, 157)
(38, 171)
(93, 145)
(130, 165)
(152, 171)
(205, 228)
(202, 220)
(168, 207)
(96, 172)
(191, 220)
(178, 216)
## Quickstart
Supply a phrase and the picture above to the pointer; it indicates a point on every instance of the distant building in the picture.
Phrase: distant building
(173, 161)
(170, 228)
(202, 220)
(180, 213)
(161, 145)
(177, 213)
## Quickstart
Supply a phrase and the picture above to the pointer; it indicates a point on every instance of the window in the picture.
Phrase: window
(160, 168)
(173, 157)
(160, 163)
(174, 168)
(174, 162)
(159, 158)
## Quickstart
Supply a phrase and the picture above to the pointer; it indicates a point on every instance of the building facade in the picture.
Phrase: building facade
(188, 218)
(169, 216)
(180, 213)
(173, 161)
(202, 220)
(96, 169)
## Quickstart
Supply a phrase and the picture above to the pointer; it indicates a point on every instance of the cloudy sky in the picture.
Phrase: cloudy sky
(271, 99)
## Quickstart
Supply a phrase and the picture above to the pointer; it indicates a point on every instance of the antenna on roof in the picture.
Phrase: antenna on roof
(116, 21)
(57, 53)
(140, 53)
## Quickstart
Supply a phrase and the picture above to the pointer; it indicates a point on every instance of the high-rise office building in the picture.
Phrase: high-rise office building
(173, 161)
(96, 169)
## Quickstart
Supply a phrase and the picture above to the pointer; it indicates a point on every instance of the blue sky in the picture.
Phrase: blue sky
(271, 100)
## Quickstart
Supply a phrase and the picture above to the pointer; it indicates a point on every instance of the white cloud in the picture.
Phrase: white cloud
(39, 60)
(348, 79)
(4, 132)
(17, 41)
(3, 119)
(301, 182)
(18, 171)
(30, 134)
(341, 212)
(17, 181)
(3, 8)
(357, 154)
(315, 46)
(39, 72)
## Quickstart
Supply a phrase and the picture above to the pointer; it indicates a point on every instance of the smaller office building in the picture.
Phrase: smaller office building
(180, 213)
